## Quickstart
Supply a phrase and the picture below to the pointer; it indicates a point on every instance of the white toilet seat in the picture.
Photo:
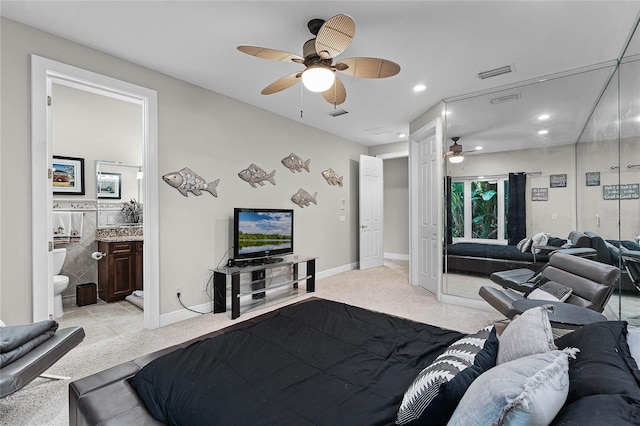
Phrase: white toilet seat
(60, 279)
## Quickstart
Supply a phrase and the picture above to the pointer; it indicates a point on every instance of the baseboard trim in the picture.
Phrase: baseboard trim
(338, 270)
(396, 256)
(183, 314)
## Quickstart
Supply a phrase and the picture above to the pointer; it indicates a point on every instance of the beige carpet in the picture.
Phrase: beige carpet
(384, 289)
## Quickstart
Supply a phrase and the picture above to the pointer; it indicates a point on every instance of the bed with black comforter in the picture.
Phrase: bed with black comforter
(485, 259)
(327, 363)
(319, 362)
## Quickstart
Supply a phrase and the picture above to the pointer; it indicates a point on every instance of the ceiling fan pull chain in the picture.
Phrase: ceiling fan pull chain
(301, 100)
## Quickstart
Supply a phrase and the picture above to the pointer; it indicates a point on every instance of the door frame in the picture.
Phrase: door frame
(434, 127)
(44, 72)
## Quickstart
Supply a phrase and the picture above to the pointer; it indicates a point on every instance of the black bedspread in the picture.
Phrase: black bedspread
(493, 251)
(319, 362)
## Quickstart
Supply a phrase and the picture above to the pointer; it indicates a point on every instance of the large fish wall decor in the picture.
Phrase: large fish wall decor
(332, 177)
(254, 174)
(303, 198)
(295, 163)
(187, 180)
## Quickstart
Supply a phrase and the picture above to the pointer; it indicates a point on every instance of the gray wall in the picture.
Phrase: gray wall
(213, 135)
(396, 206)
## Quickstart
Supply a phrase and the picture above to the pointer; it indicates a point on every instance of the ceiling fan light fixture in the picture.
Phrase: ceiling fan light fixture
(318, 78)
(456, 158)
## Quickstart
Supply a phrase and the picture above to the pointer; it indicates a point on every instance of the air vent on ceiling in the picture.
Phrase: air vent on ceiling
(338, 112)
(381, 130)
(493, 73)
(506, 98)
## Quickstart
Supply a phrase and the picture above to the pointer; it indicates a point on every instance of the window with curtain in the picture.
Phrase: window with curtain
(478, 209)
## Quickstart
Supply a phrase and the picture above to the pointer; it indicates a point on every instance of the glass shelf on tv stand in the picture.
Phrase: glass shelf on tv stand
(258, 287)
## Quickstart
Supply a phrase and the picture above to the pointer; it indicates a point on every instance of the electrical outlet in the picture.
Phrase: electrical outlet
(177, 291)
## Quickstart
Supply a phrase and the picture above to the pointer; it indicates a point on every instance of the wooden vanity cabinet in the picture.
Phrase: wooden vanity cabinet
(120, 270)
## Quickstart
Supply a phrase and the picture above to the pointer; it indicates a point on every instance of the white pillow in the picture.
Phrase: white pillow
(524, 245)
(2, 324)
(538, 240)
(552, 291)
(528, 334)
(525, 391)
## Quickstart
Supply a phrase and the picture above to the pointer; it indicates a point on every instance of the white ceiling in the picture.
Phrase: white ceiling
(442, 44)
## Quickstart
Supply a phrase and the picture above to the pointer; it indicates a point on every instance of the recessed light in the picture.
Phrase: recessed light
(543, 132)
(402, 135)
(480, 177)
(419, 88)
(478, 148)
(544, 117)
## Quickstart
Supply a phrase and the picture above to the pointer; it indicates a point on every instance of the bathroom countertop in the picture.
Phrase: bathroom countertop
(121, 239)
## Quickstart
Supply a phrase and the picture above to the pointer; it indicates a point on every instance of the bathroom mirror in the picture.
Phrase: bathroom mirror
(117, 184)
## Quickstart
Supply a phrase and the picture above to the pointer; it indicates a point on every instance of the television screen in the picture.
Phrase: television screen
(262, 232)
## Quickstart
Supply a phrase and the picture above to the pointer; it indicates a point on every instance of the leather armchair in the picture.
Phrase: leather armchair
(592, 284)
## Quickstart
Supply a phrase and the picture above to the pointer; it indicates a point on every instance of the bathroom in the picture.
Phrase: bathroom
(98, 155)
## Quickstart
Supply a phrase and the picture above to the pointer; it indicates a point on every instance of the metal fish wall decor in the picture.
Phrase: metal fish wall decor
(303, 198)
(332, 177)
(254, 174)
(295, 163)
(187, 180)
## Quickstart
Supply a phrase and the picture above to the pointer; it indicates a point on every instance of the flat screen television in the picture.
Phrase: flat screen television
(262, 234)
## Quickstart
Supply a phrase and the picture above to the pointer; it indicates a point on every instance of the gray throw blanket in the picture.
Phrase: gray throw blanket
(17, 340)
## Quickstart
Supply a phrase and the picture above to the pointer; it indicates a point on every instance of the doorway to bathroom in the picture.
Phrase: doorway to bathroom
(111, 126)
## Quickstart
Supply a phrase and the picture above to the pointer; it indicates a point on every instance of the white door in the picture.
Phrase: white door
(426, 160)
(371, 212)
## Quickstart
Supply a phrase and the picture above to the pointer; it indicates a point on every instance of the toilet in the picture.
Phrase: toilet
(60, 282)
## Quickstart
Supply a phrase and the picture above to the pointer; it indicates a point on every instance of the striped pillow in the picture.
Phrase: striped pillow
(435, 393)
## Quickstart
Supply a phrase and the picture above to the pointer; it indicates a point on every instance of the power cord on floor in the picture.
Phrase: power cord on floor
(189, 309)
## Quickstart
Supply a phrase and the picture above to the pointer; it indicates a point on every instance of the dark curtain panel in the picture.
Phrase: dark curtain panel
(517, 209)
(447, 202)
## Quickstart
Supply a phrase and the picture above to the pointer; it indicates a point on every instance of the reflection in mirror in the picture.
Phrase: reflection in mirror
(119, 194)
(574, 139)
(519, 146)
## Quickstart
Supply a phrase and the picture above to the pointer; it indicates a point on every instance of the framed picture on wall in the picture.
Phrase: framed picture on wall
(68, 175)
(558, 181)
(593, 178)
(109, 185)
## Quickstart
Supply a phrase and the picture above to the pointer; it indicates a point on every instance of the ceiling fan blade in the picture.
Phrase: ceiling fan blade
(368, 67)
(336, 94)
(335, 36)
(271, 54)
(282, 83)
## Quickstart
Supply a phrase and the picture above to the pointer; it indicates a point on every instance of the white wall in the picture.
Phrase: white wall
(213, 135)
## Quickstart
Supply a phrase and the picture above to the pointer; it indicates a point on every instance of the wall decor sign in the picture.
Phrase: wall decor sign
(68, 175)
(539, 194)
(593, 178)
(629, 191)
(558, 181)
(109, 185)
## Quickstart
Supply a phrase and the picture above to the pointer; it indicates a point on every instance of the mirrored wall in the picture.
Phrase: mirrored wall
(552, 156)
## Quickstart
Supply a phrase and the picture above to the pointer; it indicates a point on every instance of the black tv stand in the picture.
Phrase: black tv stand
(258, 287)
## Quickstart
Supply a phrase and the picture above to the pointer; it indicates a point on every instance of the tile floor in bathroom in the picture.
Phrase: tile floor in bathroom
(101, 320)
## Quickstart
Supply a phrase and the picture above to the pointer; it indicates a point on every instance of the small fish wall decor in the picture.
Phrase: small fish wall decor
(303, 198)
(295, 163)
(187, 180)
(332, 177)
(254, 174)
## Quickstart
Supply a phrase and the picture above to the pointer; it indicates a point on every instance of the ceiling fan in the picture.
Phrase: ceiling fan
(455, 153)
(332, 37)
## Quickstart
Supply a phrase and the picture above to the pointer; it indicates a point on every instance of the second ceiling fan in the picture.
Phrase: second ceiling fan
(332, 37)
